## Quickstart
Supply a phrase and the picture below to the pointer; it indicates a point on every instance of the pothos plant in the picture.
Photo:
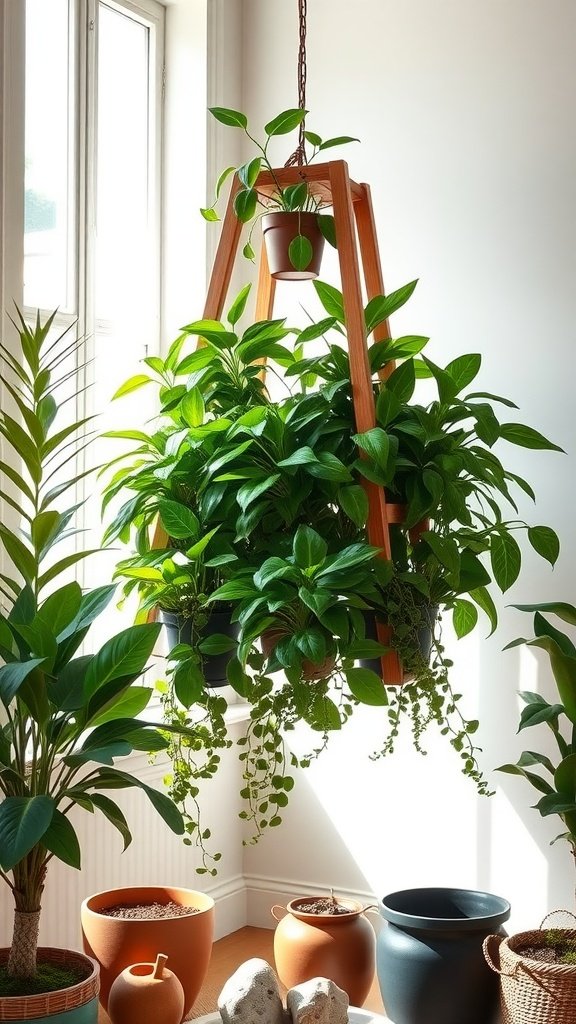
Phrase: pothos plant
(251, 201)
(67, 717)
(263, 473)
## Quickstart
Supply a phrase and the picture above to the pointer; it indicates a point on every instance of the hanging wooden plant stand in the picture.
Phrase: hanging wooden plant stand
(357, 249)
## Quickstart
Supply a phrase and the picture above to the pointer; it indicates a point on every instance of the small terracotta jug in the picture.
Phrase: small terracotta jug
(146, 994)
(341, 947)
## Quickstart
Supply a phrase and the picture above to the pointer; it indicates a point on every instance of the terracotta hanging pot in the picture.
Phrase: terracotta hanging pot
(279, 231)
(310, 669)
(78, 1003)
(119, 942)
(146, 994)
(340, 947)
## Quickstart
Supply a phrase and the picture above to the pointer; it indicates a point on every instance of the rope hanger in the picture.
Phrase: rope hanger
(298, 158)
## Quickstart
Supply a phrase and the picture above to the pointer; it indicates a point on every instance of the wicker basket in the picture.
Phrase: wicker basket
(51, 1003)
(531, 991)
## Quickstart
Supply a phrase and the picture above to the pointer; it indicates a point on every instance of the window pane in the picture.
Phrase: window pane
(48, 185)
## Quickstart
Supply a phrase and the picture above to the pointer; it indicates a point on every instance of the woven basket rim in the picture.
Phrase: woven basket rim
(48, 1003)
(513, 948)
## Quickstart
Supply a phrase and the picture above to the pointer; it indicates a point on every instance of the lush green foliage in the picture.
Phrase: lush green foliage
(264, 508)
(299, 196)
(67, 716)
(555, 779)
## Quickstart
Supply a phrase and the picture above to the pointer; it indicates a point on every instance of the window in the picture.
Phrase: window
(93, 86)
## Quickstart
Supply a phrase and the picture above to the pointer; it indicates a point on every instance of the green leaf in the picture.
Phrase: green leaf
(248, 252)
(192, 407)
(354, 500)
(447, 389)
(464, 369)
(482, 598)
(19, 554)
(233, 590)
(311, 642)
(62, 565)
(300, 252)
(536, 713)
(112, 778)
(251, 490)
(112, 812)
(329, 467)
(61, 839)
(285, 122)
(366, 687)
(331, 299)
(132, 384)
(565, 777)
(545, 542)
(23, 822)
(196, 550)
(188, 683)
(309, 548)
(295, 196)
(445, 549)
(231, 118)
(128, 704)
(341, 140)
(271, 569)
(566, 612)
(376, 444)
(301, 457)
(245, 203)
(556, 803)
(382, 306)
(209, 214)
(313, 139)
(61, 608)
(12, 677)
(526, 437)
(464, 617)
(402, 381)
(125, 654)
(178, 520)
(217, 643)
(327, 228)
(222, 179)
(505, 559)
(238, 306)
(248, 175)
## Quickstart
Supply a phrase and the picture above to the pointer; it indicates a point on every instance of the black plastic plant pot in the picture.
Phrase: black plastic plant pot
(180, 630)
(425, 637)
(431, 967)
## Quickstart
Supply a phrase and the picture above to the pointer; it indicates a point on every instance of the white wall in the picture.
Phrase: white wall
(465, 112)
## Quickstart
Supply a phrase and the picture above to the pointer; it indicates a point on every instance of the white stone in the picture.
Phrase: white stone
(318, 1001)
(251, 996)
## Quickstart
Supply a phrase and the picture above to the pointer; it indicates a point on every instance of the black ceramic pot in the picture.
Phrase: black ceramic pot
(180, 631)
(431, 967)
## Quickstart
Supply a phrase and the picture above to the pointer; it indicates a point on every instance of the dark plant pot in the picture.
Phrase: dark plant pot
(278, 231)
(181, 631)
(430, 962)
(425, 637)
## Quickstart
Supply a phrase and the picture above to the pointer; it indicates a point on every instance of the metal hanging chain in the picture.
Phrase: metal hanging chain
(298, 157)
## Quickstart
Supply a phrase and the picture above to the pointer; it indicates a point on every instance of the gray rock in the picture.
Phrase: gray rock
(251, 996)
(318, 1001)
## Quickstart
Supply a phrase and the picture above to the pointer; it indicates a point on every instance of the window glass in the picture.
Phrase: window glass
(48, 262)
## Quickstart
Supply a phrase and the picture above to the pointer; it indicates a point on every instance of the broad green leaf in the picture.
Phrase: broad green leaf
(565, 777)
(272, 569)
(505, 559)
(248, 252)
(217, 643)
(482, 598)
(556, 803)
(245, 203)
(464, 617)
(317, 330)
(125, 654)
(129, 704)
(327, 228)
(376, 444)
(61, 839)
(61, 608)
(295, 196)
(19, 554)
(329, 467)
(331, 299)
(535, 714)
(382, 306)
(545, 542)
(516, 769)
(445, 550)
(111, 778)
(312, 643)
(23, 822)
(300, 252)
(251, 490)
(209, 214)
(188, 683)
(238, 306)
(234, 590)
(115, 816)
(132, 384)
(285, 122)
(178, 520)
(366, 687)
(196, 550)
(309, 549)
(526, 437)
(231, 118)
(341, 140)
(464, 369)
(222, 179)
(301, 457)
(12, 677)
(402, 381)
(354, 501)
(248, 174)
(192, 407)
(566, 612)
(314, 139)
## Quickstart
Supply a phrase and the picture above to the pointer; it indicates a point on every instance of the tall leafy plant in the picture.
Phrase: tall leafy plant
(67, 716)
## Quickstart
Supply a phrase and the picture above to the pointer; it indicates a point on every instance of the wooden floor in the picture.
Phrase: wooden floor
(228, 953)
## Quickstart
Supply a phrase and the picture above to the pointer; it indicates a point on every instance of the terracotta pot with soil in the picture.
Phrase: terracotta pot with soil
(279, 230)
(320, 936)
(127, 926)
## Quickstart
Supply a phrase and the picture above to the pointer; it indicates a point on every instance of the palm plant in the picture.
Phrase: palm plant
(67, 716)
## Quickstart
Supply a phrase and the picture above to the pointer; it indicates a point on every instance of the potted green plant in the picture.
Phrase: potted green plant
(274, 476)
(293, 227)
(66, 717)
